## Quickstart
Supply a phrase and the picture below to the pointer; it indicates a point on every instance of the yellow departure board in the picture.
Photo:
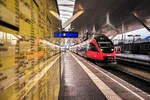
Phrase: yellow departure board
(29, 69)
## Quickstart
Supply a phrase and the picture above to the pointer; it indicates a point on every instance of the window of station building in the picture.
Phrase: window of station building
(92, 47)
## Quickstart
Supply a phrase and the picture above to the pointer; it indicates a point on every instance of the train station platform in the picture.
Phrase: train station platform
(135, 58)
(83, 80)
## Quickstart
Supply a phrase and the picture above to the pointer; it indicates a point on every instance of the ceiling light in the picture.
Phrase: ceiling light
(55, 14)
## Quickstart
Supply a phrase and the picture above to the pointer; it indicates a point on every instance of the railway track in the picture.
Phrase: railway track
(136, 72)
(135, 75)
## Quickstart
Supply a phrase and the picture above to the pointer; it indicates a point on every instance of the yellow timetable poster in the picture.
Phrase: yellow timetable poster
(26, 62)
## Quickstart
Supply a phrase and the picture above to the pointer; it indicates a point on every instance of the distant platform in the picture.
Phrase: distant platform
(135, 56)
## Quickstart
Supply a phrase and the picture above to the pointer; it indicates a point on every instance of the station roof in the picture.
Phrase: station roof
(119, 11)
(109, 17)
(66, 9)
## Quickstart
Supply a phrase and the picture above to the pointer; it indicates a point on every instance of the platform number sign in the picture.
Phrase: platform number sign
(66, 34)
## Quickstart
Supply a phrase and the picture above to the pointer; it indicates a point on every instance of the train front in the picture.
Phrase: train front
(106, 49)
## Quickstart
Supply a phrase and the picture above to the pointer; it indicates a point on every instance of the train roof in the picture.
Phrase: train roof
(100, 35)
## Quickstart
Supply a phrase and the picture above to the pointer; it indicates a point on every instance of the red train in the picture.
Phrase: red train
(100, 48)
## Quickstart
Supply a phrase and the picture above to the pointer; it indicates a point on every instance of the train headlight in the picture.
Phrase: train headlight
(112, 49)
(102, 50)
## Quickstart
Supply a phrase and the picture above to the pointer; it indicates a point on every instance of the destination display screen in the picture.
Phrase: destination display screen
(66, 34)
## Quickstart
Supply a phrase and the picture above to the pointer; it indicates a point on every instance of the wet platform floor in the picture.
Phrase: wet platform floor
(82, 80)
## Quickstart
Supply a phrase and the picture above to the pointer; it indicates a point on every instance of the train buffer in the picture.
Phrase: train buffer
(83, 80)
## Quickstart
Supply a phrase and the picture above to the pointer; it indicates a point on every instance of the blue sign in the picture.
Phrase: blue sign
(66, 34)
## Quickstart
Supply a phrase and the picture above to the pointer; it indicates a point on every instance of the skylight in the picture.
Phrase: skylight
(66, 8)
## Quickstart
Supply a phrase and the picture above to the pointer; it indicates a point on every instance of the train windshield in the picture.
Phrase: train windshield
(104, 42)
(107, 44)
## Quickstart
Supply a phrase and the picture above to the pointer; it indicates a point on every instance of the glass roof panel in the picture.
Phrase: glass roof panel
(66, 8)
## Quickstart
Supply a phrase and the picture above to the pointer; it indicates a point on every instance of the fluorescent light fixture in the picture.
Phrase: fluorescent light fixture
(72, 19)
(55, 14)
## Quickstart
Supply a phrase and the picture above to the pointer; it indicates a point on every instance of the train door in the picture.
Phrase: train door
(92, 51)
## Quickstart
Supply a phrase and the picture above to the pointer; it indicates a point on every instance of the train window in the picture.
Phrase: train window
(107, 44)
(92, 47)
